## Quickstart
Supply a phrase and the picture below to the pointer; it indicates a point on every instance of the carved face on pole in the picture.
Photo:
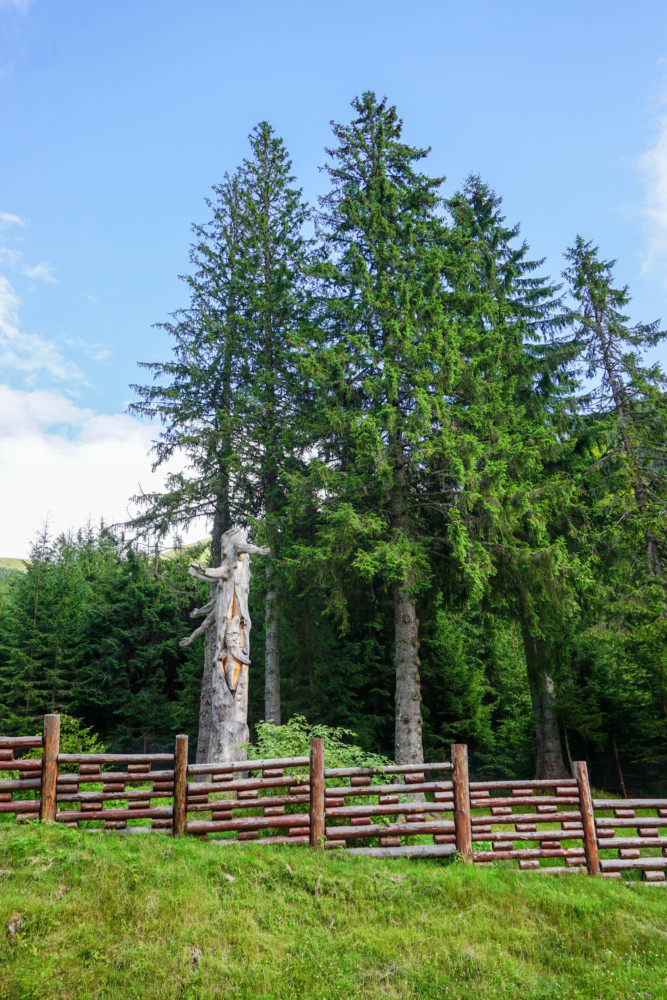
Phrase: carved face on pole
(227, 609)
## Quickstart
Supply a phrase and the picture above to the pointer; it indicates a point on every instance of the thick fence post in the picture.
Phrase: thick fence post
(51, 748)
(461, 788)
(317, 827)
(587, 818)
(180, 786)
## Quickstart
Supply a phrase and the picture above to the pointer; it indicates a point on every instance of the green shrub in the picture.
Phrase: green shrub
(293, 740)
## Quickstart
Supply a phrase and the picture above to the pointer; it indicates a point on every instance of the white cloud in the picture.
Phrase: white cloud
(41, 272)
(29, 353)
(11, 257)
(20, 5)
(8, 218)
(653, 165)
(69, 465)
(96, 352)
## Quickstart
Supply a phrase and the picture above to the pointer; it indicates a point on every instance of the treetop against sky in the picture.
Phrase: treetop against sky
(116, 120)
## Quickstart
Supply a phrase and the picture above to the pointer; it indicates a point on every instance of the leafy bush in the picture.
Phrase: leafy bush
(74, 738)
(293, 740)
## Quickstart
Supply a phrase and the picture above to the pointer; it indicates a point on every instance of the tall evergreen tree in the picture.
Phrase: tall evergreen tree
(273, 259)
(228, 397)
(381, 369)
(627, 387)
(509, 408)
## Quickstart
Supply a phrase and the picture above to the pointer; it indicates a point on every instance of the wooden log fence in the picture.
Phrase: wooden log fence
(428, 810)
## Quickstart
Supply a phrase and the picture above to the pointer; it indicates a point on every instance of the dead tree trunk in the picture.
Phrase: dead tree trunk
(221, 523)
(227, 613)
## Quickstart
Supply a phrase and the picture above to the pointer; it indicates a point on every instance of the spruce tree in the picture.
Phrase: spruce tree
(228, 396)
(381, 369)
(612, 352)
(510, 411)
(273, 259)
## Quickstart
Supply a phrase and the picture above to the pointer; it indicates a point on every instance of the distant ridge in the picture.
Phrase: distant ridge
(14, 565)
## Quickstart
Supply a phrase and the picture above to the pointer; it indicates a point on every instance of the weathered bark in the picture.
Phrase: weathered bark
(221, 523)
(272, 655)
(549, 761)
(408, 723)
(408, 706)
(227, 616)
(205, 717)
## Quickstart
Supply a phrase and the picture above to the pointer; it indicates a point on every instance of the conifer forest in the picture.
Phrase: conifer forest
(458, 461)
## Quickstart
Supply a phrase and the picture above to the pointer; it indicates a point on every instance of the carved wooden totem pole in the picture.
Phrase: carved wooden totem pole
(227, 611)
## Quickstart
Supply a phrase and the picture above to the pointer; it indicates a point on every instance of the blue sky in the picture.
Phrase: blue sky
(116, 119)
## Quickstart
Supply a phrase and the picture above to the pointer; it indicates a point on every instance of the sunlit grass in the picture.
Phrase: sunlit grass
(151, 917)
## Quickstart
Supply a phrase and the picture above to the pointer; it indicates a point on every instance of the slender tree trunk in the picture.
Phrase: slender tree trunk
(408, 706)
(549, 761)
(408, 730)
(272, 655)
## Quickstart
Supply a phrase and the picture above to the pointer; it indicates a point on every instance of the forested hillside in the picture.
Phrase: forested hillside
(459, 464)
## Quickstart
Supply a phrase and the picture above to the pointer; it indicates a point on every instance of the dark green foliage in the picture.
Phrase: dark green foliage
(413, 416)
(92, 629)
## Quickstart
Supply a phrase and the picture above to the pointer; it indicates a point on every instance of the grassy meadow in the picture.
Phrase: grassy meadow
(104, 916)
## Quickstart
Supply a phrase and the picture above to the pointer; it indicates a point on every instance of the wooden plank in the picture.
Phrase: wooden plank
(610, 821)
(426, 786)
(462, 824)
(22, 805)
(20, 765)
(133, 794)
(251, 784)
(248, 765)
(263, 840)
(538, 802)
(382, 830)
(47, 809)
(122, 777)
(317, 809)
(619, 864)
(530, 852)
(19, 784)
(180, 815)
(542, 835)
(265, 800)
(630, 803)
(76, 815)
(524, 783)
(115, 758)
(409, 851)
(20, 742)
(378, 809)
(509, 819)
(248, 823)
(345, 772)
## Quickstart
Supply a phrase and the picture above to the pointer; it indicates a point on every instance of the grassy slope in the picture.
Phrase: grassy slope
(150, 917)
(14, 565)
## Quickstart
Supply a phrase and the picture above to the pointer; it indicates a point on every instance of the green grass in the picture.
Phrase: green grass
(150, 917)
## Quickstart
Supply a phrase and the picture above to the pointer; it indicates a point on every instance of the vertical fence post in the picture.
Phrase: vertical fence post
(462, 822)
(317, 826)
(51, 747)
(180, 786)
(587, 818)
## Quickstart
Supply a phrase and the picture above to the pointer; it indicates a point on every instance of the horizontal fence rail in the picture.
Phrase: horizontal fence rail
(427, 810)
